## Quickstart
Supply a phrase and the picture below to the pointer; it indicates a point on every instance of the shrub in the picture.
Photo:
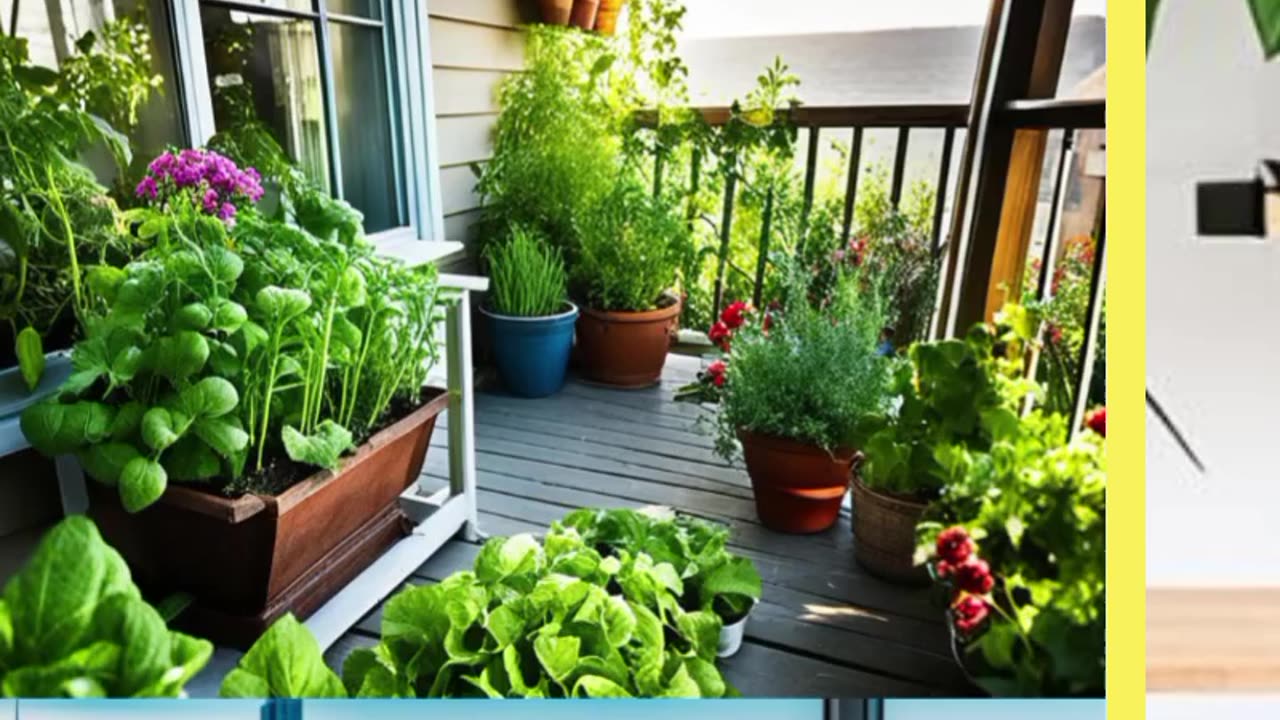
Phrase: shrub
(629, 250)
(73, 624)
(527, 275)
(812, 375)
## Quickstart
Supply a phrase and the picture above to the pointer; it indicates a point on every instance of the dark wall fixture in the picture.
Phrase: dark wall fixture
(1240, 207)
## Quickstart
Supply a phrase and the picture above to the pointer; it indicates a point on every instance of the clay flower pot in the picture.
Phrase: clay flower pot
(626, 349)
(607, 16)
(248, 560)
(884, 531)
(584, 13)
(798, 487)
(556, 12)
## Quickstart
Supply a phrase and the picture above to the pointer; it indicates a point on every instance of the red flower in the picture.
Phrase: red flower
(720, 334)
(974, 576)
(768, 322)
(732, 316)
(857, 250)
(1097, 421)
(944, 568)
(969, 613)
(1055, 333)
(715, 372)
(954, 545)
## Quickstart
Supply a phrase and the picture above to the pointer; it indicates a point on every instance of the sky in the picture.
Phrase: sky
(736, 18)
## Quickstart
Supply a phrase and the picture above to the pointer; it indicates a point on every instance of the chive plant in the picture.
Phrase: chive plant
(527, 275)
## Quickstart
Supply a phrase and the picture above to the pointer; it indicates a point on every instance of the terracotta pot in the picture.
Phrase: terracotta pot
(248, 560)
(607, 16)
(584, 13)
(798, 487)
(556, 12)
(884, 532)
(626, 349)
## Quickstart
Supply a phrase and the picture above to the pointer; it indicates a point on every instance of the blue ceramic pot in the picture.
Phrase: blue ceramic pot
(532, 354)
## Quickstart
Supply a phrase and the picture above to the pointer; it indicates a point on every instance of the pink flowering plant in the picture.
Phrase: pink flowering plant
(203, 180)
(1016, 544)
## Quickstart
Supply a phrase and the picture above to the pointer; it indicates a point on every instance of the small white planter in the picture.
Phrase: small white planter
(731, 636)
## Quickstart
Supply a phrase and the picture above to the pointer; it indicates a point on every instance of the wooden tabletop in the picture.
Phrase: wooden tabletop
(1221, 639)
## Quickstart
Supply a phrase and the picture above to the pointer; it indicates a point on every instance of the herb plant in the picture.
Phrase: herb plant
(951, 393)
(527, 275)
(629, 251)
(73, 624)
(235, 342)
(812, 375)
(1019, 541)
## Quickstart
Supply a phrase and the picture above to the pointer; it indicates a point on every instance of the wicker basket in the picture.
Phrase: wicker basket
(884, 532)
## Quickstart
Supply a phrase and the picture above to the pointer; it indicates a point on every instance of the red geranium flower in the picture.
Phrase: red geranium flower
(720, 334)
(715, 372)
(974, 576)
(969, 613)
(954, 545)
(1097, 421)
(732, 316)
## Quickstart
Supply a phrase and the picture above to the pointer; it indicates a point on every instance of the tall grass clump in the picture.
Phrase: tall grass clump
(527, 275)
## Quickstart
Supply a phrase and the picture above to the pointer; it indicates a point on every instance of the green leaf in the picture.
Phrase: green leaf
(30, 351)
(282, 304)
(702, 630)
(224, 434)
(142, 482)
(193, 316)
(1266, 18)
(55, 428)
(224, 265)
(126, 364)
(737, 576)
(179, 356)
(106, 461)
(285, 662)
(229, 316)
(501, 558)
(211, 397)
(323, 448)
(160, 428)
(191, 460)
(558, 655)
(710, 683)
(598, 687)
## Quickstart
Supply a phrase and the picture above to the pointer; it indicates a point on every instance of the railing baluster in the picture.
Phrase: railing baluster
(899, 166)
(1092, 318)
(851, 186)
(1049, 257)
(940, 199)
(726, 226)
(762, 259)
(810, 172)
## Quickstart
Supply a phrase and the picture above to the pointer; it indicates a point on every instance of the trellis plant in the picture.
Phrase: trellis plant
(237, 342)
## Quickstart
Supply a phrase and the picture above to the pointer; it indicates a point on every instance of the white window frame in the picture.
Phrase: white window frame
(407, 28)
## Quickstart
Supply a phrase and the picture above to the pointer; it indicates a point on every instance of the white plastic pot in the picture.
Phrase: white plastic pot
(731, 636)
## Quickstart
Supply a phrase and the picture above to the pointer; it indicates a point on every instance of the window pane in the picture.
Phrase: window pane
(267, 69)
(365, 118)
(359, 8)
(301, 5)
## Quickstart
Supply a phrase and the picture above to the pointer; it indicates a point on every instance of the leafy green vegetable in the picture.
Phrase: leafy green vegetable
(323, 448)
(72, 624)
(30, 352)
(285, 662)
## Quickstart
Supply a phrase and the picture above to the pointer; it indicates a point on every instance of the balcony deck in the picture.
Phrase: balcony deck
(824, 627)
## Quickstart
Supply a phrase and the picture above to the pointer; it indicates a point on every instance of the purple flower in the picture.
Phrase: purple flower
(210, 200)
(227, 211)
(163, 164)
(147, 188)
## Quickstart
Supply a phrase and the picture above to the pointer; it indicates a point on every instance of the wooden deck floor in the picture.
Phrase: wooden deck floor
(824, 628)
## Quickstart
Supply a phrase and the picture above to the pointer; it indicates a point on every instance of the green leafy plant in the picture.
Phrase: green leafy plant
(285, 662)
(804, 373)
(959, 392)
(73, 624)
(236, 342)
(1018, 541)
(629, 250)
(714, 578)
(527, 275)
(110, 74)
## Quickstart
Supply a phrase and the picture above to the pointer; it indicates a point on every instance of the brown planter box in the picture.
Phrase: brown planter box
(884, 532)
(248, 560)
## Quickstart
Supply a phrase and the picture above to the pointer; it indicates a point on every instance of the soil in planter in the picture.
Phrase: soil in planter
(727, 612)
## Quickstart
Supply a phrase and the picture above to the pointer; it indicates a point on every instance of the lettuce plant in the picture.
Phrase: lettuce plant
(73, 624)
(237, 344)
(714, 578)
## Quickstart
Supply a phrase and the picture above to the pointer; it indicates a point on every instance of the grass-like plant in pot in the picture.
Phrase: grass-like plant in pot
(715, 578)
(623, 268)
(215, 400)
(530, 316)
(796, 387)
(951, 393)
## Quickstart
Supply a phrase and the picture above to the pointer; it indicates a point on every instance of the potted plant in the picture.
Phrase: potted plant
(550, 620)
(795, 387)
(624, 267)
(715, 579)
(950, 393)
(529, 314)
(216, 397)
(1017, 546)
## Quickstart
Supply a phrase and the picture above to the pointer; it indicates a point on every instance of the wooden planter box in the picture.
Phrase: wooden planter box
(246, 561)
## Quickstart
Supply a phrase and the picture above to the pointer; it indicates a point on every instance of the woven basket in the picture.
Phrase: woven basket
(884, 532)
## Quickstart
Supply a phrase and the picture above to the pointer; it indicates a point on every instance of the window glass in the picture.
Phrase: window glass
(360, 8)
(365, 116)
(266, 68)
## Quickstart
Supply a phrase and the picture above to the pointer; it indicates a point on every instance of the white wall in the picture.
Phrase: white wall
(1213, 339)
(1198, 707)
